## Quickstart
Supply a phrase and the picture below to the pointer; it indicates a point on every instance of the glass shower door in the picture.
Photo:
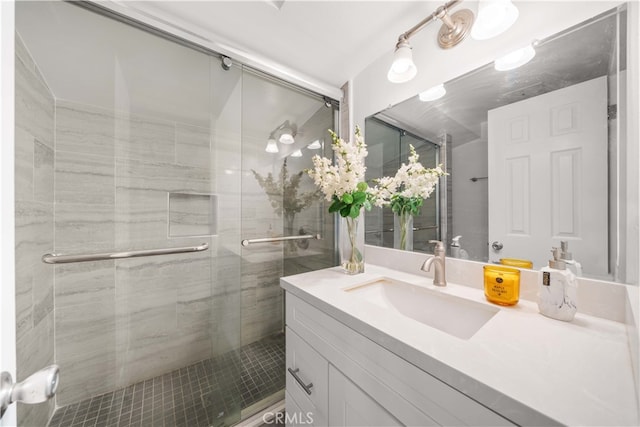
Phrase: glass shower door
(121, 140)
(282, 128)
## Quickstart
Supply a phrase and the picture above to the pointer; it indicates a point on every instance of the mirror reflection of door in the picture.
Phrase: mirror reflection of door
(548, 163)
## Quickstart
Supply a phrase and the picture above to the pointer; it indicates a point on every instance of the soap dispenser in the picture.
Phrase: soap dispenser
(558, 289)
(456, 250)
(567, 257)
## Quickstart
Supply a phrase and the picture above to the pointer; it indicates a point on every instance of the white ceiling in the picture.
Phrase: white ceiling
(323, 40)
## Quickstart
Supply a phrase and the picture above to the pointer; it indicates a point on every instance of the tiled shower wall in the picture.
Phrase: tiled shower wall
(34, 157)
(119, 322)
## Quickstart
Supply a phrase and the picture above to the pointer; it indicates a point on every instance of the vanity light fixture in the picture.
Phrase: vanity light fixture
(454, 29)
(515, 59)
(315, 145)
(433, 93)
(494, 18)
(297, 153)
(272, 146)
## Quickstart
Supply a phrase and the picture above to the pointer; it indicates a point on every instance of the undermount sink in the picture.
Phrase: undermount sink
(456, 316)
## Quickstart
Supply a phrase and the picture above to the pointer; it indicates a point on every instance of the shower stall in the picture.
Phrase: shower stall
(130, 142)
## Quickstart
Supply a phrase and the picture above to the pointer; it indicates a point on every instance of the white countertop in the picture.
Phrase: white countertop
(529, 368)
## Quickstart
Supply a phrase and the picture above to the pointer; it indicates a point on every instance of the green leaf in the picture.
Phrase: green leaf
(344, 211)
(347, 198)
(335, 206)
(362, 186)
(359, 197)
(354, 211)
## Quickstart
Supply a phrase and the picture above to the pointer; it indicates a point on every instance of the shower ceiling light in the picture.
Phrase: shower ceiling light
(433, 93)
(515, 59)
(315, 145)
(272, 146)
(494, 18)
(454, 29)
(296, 153)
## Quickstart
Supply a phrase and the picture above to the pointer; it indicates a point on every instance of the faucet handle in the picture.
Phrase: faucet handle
(439, 246)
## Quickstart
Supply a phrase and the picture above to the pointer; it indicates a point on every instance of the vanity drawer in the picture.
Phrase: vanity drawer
(312, 372)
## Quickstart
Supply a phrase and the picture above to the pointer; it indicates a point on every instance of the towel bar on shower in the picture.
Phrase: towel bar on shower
(64, 259)
(247, 242)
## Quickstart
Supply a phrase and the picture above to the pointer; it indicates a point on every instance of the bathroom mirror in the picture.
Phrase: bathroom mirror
(536, 154)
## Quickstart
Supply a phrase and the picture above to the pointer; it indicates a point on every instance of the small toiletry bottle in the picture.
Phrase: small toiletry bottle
(567, 257)
(456, 250)
(557, 297)
(501, 284)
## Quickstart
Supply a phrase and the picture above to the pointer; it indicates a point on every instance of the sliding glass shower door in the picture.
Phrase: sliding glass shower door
(128, 141)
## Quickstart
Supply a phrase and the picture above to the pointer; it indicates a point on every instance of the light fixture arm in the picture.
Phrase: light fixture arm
(440, 13)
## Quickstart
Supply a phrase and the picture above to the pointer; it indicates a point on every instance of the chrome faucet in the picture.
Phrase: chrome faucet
(438, 258)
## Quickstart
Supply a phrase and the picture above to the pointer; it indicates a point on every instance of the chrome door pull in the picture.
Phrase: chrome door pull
(497, 246)
(306, 387)
(37, 388)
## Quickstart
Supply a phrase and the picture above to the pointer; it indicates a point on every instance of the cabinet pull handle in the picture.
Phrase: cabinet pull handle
(294, 372)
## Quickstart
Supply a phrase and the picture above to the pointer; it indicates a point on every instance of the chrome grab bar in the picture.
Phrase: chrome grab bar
(64, 259)
(247, 242)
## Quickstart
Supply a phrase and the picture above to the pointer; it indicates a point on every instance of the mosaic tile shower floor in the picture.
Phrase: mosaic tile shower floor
(199, 395)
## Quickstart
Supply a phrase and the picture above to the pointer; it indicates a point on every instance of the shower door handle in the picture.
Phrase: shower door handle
(37, 388)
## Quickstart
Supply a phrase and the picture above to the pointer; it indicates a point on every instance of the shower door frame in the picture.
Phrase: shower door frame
(7, 207)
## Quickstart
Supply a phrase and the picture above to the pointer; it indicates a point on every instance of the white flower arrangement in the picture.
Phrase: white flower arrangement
(343, 183)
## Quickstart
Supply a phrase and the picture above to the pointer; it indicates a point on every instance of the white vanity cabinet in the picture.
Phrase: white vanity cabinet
(354, 381)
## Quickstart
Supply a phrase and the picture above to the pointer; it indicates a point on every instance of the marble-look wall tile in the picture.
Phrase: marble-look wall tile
(34, 105)
(79, 283)
(84, 129)
(84, 178)
(146, 175)
(34, 238)
(24, 147)
(83, 228)
(144, 138)
(43, 178)
(85, 349)
(192, 146)
(34, 351)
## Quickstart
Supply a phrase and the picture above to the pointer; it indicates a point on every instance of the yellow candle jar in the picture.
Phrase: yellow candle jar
(501, 284)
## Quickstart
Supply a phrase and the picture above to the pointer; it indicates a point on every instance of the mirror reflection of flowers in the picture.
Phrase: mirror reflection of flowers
(406, 191)
(343, 184)
(283, 194)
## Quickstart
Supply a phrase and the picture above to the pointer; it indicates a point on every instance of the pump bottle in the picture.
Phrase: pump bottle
(567, 257)
(557, 290)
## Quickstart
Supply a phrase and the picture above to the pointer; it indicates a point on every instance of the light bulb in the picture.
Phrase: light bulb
(286, 137)
(515, 59)
(272, 146)
(494, 18)
(402, 68)
(433, 93)
(296, 153)
(315, 145)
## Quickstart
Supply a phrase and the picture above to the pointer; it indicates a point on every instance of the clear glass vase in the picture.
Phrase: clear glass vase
(403, 231)
(351, 247)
